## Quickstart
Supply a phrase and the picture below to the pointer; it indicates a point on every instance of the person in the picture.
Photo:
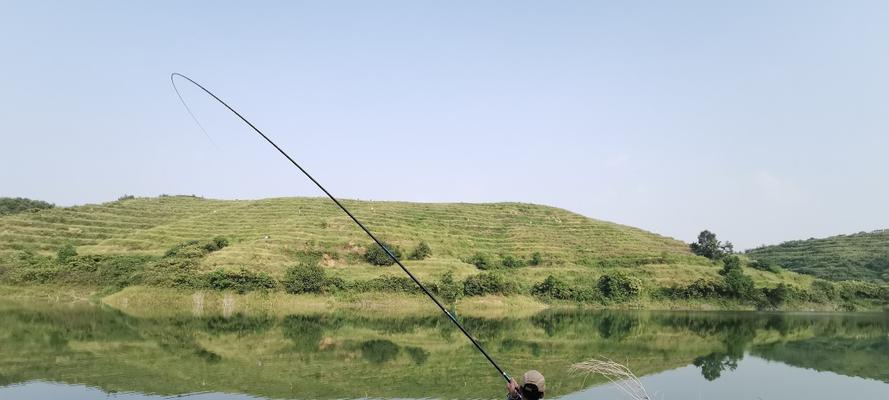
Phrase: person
(533, 387)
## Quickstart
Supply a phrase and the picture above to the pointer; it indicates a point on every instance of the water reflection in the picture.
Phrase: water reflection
(348, 355)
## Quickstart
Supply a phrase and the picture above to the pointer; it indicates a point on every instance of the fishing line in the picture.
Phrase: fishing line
(341, 206)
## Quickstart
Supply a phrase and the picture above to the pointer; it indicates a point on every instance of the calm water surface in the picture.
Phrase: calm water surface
(90, 352)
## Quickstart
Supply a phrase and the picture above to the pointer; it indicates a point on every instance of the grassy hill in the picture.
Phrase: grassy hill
(269, 235)
(134, 241)
(861, 256)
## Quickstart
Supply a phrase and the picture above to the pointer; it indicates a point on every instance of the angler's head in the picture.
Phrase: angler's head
(533, 385)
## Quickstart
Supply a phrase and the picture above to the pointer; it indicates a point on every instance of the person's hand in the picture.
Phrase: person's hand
(512, 387)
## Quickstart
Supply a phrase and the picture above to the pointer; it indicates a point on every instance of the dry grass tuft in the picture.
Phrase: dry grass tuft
(618, 374)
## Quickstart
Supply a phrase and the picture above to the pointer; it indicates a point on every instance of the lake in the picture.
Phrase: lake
(83, 351)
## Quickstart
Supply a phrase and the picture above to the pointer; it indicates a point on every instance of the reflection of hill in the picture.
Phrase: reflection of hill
(347, 355)
(866, 358)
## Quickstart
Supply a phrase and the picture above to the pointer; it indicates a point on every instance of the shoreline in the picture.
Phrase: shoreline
(145, 301)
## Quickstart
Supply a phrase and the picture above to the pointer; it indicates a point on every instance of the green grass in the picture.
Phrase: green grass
(860, 256)
(269, 236)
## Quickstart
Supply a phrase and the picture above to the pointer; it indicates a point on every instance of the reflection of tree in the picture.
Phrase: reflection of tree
(379, 351)
(417, 354)
(736, 334)
(305, 331)
(617, 326)
(713, 364)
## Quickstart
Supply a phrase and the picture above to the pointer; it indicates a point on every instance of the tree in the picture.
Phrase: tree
(708, 246)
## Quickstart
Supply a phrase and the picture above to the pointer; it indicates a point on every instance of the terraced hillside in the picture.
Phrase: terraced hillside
(268, 235)
(861, 256)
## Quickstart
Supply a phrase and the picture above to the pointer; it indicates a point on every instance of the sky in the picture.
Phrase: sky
(763, 121)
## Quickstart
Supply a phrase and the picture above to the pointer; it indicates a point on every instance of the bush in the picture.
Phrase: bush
(765, 266)
(9, 205)
(822, 291)
(126, 197)
(487, 283)
(553, 288)
(448, 289)
(536, 259)
(480, 261)
(377, 256)
(730, 263)
(217, 243)
(737, 284)
(699, 289)
(304, 278)
(508, 261)
(778, 295)
(241, 281)
(196, 248)
(421, 252)
(66, 252)
(387, 284)
(618, 287)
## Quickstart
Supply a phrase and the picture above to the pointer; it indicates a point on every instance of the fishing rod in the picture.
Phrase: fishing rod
(341, 206)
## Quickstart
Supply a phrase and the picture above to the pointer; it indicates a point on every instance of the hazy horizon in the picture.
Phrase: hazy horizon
(763, 122)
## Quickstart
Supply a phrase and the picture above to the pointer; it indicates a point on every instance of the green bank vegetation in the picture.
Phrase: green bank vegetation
(304, 246)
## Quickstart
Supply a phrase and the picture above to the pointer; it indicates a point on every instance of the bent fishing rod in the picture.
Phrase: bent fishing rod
(340, 205)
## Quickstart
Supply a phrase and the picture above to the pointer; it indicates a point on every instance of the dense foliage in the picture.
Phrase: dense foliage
(304, 278)
(618, 287)
(14, 205)
(708, 246)
(487, 283)
(377, 256)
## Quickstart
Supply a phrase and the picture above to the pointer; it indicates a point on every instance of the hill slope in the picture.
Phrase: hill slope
(862, 256)
(269, 234)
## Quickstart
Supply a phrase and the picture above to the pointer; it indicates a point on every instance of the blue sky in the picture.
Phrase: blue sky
(763, 121)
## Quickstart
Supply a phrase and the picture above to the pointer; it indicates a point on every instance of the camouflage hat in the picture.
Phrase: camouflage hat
(535, 378)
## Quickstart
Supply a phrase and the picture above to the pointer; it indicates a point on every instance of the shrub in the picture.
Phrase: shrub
(126, 197)
(377, 256)
(778, 295)
(765, 266)
(448, 289)
(387, 284)
(189, 249)
(480, 261)
(536, 259)
(421, 252)
(196, 248)
(618, 287)
(822, 291)
(737, 284)
(9, 205)
(66, 252)
(304, 278)
(487, 283)
(217, 243)
(508, 261)
(241, 281)
(730, 263)
(699, 289)
(553, 288)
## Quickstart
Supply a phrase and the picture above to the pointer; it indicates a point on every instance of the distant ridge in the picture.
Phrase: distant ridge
(861, 256)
